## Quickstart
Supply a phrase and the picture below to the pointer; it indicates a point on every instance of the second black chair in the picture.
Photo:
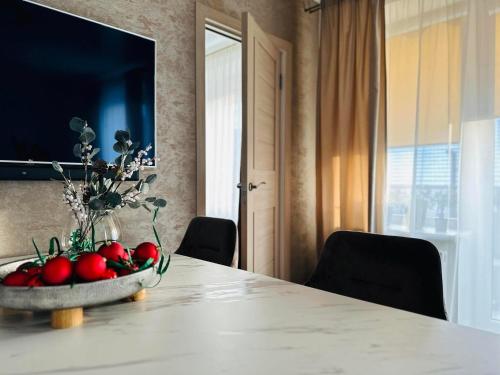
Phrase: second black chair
(399, 272)
(210, 239)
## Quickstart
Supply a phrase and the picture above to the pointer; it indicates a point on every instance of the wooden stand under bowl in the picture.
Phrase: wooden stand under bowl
(73, 317)
(66, 318)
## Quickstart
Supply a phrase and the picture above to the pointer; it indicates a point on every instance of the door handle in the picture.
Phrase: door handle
(251, 186)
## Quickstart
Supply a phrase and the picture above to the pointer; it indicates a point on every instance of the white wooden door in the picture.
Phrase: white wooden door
(260, 151)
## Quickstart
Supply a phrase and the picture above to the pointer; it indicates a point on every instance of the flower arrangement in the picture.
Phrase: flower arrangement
(99, 193)
(103, 190)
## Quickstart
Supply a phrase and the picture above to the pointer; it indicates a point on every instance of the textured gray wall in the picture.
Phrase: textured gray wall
(303, 249)
(35, 209)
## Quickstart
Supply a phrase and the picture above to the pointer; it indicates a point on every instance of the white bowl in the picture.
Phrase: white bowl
(67, 296)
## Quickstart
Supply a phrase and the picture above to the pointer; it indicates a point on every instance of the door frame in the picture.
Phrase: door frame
(211, 17)
(206, 16)
(285, 49)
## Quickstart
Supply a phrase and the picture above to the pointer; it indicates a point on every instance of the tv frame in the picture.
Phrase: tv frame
(18, 169)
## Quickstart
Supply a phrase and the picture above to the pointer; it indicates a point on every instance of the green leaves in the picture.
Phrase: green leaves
(79, 243)
(134, 205)
(114, 264)
(144, 188)
(94, 152)
(57, 167)
(105, 201)
(122, 136)
(139, 185)
(150, 199)
(120, 147)
(77, 124)
(40, 257)
(96, 204)
(160, 202)
(54, 241)
(157, 237)
(123, 144)
(107, 183)
(162, 269)
(93, 236)
(113, 199)
(151, 178)
(100, 168)
(77, 150)
(87, 135)
(146, 264)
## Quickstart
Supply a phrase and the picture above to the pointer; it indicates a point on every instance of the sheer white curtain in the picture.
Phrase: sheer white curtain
(443, 180)
(223, 131)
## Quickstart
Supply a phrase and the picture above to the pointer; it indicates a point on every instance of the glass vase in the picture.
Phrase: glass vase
(78, 235)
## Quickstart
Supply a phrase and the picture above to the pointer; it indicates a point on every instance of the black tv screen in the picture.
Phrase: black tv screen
(56, 66)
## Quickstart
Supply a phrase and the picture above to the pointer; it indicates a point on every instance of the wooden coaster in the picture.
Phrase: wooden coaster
(67, 318)
(139, 296)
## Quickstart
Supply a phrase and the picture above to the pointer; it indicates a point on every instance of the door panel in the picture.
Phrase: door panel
(264, 235)
(260, 151)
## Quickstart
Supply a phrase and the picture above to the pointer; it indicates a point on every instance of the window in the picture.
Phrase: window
(443, 181)
(436, 185)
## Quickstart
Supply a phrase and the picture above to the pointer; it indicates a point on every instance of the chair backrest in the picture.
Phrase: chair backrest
(210, 239)
(399, 272)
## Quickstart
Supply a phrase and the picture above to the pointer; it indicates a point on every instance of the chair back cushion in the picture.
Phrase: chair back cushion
(210, 239)
(400, 272)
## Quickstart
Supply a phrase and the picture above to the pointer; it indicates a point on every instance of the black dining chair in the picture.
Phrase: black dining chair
(210, 239)
(399, 272)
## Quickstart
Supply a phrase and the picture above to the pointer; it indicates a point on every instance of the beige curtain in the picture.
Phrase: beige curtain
(443, 170)
(352, 117)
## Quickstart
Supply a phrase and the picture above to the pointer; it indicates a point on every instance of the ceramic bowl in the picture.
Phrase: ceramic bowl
(67, 296)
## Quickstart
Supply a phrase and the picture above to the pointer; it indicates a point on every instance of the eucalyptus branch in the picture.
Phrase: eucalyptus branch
(97, 196)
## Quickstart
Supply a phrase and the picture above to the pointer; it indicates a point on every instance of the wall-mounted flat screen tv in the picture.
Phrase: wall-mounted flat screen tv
(56, 66)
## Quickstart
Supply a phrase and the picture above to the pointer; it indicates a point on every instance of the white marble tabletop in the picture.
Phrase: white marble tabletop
(209, 319)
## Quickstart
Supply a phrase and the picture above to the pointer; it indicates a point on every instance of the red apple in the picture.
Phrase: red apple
(90, 266)
(109, 273)
(125, 272)
(35, 281)
(146, 250)
(57, 271)
(16, 278)
(113, 251)
(34, 270)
